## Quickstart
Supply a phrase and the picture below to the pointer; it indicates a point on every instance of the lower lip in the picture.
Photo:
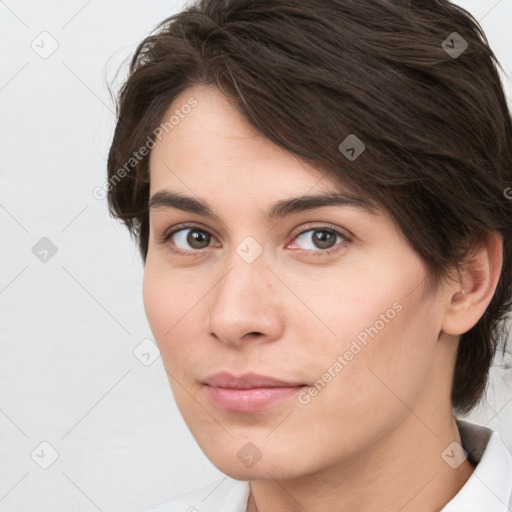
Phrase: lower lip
(249, 400)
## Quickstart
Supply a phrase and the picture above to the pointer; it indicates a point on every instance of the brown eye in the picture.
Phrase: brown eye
(188, 239)
(320, 238)
(198, 239)
(323, 239)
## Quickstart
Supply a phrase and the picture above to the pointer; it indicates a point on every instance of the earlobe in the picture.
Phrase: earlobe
(469, 298)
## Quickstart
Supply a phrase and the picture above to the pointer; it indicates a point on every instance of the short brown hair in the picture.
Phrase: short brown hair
(430, 112)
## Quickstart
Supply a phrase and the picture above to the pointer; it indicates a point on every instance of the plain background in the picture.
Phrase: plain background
(70, 324)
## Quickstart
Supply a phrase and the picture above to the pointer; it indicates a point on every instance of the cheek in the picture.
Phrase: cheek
(381, 337)
(172, 306)
(355, 307)
(386, 362)
(167, 304)
(157, 295)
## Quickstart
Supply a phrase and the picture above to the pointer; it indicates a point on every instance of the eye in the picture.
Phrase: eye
(187, 239)
(320, 240)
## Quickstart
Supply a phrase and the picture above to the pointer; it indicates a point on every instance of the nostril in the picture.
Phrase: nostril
(252, 334)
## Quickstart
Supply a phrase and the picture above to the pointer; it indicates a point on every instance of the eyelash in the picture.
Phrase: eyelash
(164, 239)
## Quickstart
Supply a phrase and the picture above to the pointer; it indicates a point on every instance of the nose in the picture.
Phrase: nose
(246, 304)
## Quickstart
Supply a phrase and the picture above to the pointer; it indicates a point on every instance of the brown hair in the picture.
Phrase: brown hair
(431, 114)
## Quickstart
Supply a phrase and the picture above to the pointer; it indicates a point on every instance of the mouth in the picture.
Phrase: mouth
(250, 392)
(246, 381)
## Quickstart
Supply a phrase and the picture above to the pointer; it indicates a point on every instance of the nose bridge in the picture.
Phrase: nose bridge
(246, 270)
(243, 286)
(244, 300)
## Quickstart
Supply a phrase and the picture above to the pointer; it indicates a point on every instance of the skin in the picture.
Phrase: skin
(372, 438)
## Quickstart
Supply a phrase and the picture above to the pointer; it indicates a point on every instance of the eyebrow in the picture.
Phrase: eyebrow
(283, 207)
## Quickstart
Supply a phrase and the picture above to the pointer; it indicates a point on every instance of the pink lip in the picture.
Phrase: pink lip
(246, 381)
(249, 392)
(248, 400)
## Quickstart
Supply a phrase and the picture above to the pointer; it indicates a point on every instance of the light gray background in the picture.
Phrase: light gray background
(70, 325)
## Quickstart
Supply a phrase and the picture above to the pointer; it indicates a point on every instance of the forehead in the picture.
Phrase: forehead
(213, 154)
(214, 142)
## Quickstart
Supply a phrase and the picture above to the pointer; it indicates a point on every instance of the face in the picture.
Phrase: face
(330, 297)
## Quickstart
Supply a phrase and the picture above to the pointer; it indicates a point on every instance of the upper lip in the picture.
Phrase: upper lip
(246, 381)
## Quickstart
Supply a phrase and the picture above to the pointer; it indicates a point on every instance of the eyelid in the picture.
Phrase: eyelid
(319, 225)
(184, 225)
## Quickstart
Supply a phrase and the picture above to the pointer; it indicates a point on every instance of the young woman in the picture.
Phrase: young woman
(318, 189)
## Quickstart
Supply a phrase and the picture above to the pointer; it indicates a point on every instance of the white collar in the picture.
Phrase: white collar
(489, 487)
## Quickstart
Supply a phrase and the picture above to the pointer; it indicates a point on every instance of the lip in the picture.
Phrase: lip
(246, 381)
(250, 392)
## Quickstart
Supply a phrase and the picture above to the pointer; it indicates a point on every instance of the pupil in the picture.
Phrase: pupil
(324, 240)
(196, 236)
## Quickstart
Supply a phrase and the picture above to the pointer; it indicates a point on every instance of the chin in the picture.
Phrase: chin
(263, 469)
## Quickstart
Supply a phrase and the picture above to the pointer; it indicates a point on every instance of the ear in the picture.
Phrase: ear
(478, 282)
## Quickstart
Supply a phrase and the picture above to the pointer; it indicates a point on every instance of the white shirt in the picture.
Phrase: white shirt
(488, 489)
